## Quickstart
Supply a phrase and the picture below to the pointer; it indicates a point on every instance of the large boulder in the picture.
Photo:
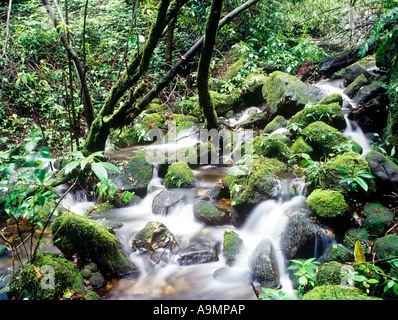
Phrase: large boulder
(261, 184)
(232, 245)
(286, 95)
(263, 265)
(377, 219)
(384, 170)
(386, 246)
(32, 281)
(179, 175)
(153, 236)
(271, 147)
(75, 234)
(209, 214)
(326, 140)
(165, 200)
(327, 204)
(353, 88)
(353, 71)
(135, 177)
(330, 114)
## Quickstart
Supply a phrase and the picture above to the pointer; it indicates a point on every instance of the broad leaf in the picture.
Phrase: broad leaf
(71, 165)
(362, 183)
(110, 166)
(358, 252)
(100, 172)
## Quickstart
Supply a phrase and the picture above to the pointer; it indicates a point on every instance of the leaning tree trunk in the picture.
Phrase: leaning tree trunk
(137, 100)
(204, 65)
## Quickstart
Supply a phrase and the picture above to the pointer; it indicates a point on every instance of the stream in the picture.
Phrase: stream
(160, 274)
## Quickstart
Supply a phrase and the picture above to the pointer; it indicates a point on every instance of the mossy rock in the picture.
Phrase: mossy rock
(386, 246)
(328, 140)
(337, 292)
(330, 114)
(179, 175)
(338, 253)
(252, 89)
(353, 235)
(261, 184)
(276, 123)
(135, 176)
(332, 98)
(224, 102)
(354, 87)
(329, 273)
(32, 280)
(352, 72)
(152, 121)
(330, 175)
(153, 236)
(327, 203)
(232, 245)
(301, 146)
(286, 95)
(181, 118)
(75, 234)
(271, 147)
(377, 219)
(209, 214)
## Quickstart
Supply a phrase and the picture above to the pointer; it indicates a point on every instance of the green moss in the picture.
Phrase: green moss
(377, 219)
(354, 86)
(234, 69)
(354, 234)
(29, 279)
(181, 118)
(332, 98)
(261, 184)
(154, 235)
(75, 234)
(327, 203)
(330, 114)
(336, 292)
(223, 102)
(232, 245)
(329, 273)
(327, 140)
(276, 123)
(152, 121)
(386, 246)
(300, 146)
(271, 147)
(331, 175)
(337, 253)
(179, 175)
(209, 214)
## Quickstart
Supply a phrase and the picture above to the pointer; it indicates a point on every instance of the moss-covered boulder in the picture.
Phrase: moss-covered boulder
(326, 140)
(271, 147)
(301, 146)
(135, 176)
(332, 98)
(261, 184)
(48, 277)
(179, 118)
(232, 245)
(327, 203)
(377, 219)
(152, 121)
(386, 246)
(353, 88)
(224, 102)
(337, 292)
(330, 114)
(179, 175)
(353, 71)
(338, 253)
(353, 235)
(75, 234)
(276, 123)
(370, 91)
(286, 95)
(329, 273)
(209, 214)
(252, 89)
(153, 236)
(330, 175)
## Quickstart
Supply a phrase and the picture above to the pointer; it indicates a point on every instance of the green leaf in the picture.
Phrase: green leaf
(362, 183)
(110, 166)
(303, 281)
(342, 169)
(358, 252)
(70, 166)
(100, 172)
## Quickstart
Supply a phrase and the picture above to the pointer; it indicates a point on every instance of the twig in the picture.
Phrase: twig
(7, 29)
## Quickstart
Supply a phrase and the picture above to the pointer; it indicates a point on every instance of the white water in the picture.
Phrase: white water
(353, 130)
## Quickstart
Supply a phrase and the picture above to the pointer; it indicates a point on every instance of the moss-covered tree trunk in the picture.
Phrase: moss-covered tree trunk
(204, 65)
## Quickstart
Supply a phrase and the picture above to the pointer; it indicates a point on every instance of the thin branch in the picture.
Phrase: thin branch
(7, 29)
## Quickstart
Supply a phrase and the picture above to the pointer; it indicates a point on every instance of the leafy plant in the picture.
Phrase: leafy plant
(306, 273)
(274, 294)
(356, 178)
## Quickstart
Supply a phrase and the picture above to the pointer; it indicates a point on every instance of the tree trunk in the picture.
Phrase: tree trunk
(169, 43)
(204, 65)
